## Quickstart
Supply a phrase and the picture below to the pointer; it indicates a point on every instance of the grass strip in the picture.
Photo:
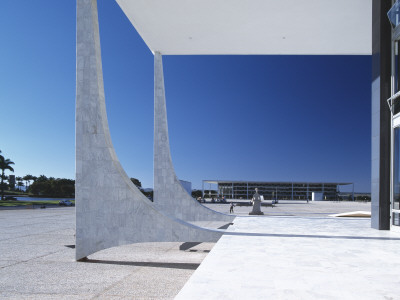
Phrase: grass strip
(11, 203)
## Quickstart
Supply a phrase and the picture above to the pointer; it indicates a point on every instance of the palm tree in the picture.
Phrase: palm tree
(28, 179)
(19, 182)
(5, 164)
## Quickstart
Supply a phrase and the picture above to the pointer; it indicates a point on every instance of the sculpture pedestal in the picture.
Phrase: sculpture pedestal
(256, 208)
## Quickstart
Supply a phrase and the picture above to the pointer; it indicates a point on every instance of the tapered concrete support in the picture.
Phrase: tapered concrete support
(110, 210)
(169, 194)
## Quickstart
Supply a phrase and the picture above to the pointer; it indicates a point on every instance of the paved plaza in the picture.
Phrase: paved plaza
(298, 208)
(303, 255)
(37, 262)
(300, 258)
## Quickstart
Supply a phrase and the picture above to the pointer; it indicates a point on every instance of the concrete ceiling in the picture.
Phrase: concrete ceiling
(315, 27)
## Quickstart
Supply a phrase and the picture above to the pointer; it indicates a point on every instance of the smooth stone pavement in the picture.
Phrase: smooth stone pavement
(297, 208)
(37, 261)
(302, 258)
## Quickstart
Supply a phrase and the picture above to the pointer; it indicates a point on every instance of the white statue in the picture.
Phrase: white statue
(256, 204)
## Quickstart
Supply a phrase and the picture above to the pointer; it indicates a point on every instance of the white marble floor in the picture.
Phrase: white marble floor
(300, 258)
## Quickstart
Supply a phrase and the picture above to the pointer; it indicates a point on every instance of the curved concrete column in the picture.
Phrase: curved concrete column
(110, 210)
(169, 194)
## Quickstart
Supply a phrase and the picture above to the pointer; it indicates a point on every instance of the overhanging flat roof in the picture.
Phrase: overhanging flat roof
(307, 27)
(213, 181)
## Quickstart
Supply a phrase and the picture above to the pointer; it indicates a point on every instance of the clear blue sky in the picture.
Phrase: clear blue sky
(272, 118)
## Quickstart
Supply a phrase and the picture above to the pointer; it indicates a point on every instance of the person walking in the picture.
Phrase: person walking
(231, 209)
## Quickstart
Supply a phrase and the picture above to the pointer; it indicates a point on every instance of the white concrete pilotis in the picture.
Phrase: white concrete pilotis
(169, 194)
(110, 210)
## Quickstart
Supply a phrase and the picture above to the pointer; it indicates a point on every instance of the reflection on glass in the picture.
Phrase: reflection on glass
(396, 102)
(396, 219)
(396, 171)
(394, 14)
(396, 66)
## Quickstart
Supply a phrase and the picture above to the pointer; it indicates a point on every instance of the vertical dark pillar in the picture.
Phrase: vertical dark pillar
(380, 158)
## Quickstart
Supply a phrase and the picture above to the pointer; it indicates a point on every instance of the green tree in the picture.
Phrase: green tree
(28, 179)
(41, 178)
(53, 187)
(6, 185)
(136, 182)
(19, 182)
(197, 193)
(5, 164)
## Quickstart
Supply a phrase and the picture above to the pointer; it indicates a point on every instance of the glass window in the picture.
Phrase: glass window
(394, 14)
(396, 219)
(396, 102)
(396, 171)
(396, 66)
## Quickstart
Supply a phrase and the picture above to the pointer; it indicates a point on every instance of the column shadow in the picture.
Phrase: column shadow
(182, 266)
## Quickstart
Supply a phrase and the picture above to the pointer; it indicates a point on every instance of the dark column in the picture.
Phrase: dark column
(380, 159)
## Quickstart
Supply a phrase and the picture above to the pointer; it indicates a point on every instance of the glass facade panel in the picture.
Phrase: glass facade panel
(396, 219)
(396, 170)
(394, 15)
(279, 190)
(396, 102)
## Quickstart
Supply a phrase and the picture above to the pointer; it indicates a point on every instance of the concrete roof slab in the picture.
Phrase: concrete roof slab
(306, 27)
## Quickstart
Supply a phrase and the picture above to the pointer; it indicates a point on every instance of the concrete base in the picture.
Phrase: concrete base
(257, 213)
(353, 214)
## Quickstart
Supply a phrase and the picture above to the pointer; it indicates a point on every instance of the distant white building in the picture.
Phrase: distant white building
(279, 190)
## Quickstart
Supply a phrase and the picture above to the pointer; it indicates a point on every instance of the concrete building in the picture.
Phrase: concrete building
(278, 190)
(266, 27)
(111, 210)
